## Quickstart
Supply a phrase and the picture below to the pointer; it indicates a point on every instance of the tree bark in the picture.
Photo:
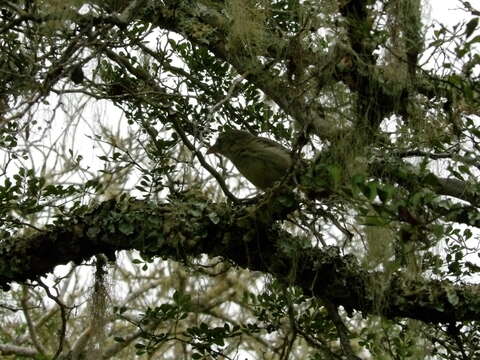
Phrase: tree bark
(249, 237)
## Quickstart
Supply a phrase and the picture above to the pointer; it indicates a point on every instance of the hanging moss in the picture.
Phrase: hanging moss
(247, 25)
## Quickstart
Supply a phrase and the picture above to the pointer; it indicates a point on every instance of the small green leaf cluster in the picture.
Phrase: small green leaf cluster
(203, 339)
(24, 194)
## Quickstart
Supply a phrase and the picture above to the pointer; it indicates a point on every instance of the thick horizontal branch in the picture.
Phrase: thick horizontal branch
(411, 177)
(189, 225)
(6, 349)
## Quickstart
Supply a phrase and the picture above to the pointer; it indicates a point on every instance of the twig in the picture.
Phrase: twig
(31, 327)
(229, 94)
(210, 169)
(342, 330)
(63, 315)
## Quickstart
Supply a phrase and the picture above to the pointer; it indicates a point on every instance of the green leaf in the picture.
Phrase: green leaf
(431, 179)
(470, 27)
(476, 39)
(375, 221)
(385, 192)
(370, 191)
(214, 218)
(473, 268)
(452, 296)
(358, 179)
(126, 228)
(220, 341)
(464, 169)
(335, 173)
(92, 232)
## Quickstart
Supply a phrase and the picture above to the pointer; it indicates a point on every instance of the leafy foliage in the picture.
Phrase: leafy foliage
(106, 112)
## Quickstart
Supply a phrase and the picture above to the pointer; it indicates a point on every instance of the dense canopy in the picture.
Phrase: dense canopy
(121, 237)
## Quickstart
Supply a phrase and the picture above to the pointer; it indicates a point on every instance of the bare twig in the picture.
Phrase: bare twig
(342, 330)
(63, 314)
(31, 327)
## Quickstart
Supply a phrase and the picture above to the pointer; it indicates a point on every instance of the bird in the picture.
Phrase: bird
(262, 161)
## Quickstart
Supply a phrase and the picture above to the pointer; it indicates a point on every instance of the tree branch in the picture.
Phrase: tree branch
(191, 225)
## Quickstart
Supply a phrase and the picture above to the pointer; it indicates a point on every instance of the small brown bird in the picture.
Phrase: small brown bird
(262, 161)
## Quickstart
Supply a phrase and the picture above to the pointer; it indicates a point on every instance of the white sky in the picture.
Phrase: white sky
(446, 11)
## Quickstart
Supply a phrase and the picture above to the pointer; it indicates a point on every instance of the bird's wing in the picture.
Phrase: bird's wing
(274, 152)
(271, 143)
